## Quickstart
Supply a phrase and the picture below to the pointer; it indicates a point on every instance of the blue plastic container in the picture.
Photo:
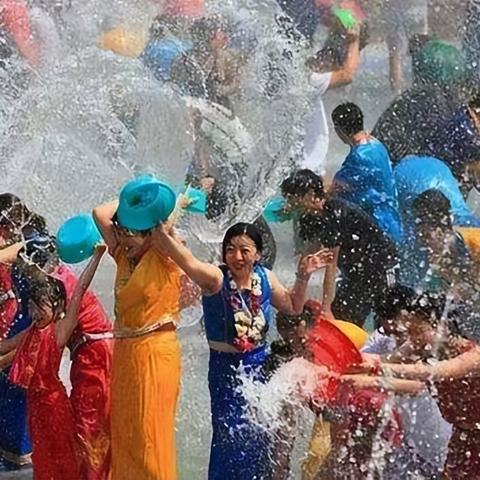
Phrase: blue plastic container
(159, 56)
(77, 239)
(144, 203)
(198, 201)
(275, 211)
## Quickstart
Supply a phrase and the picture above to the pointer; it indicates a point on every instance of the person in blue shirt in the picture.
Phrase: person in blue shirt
(365, 177)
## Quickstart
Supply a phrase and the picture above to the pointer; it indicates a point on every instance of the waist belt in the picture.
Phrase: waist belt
(88, 337)
(141, 332)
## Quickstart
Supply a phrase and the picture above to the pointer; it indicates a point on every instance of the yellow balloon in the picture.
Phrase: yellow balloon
(357, 335)
(123, 41)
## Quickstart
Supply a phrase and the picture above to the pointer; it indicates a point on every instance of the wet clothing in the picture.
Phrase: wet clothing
(240, 450)
(366, 179)
(15, 443)
(316, 126)
(456, 399)
(457, 143)
(366, 258)
(50, 416)
(90, 379)
(304, 14)
(145, 368)
(8, 303)
(407, 125)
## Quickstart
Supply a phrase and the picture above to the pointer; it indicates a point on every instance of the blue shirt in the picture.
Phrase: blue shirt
(366, 179)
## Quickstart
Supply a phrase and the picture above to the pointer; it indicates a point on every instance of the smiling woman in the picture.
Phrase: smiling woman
(238, 297)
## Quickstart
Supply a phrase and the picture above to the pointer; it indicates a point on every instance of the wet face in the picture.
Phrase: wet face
(420, 331)
(42, 314)
(241, 254)
(132, 242)
(306, 203)
(432, 238)
(397, 327)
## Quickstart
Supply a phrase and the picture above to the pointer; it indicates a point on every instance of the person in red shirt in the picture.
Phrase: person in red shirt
(36, 368)
(90, 346)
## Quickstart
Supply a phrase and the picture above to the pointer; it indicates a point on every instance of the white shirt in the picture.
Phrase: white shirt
(316, 126)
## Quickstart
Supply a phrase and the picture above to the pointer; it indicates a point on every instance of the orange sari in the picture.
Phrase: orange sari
(146, 369)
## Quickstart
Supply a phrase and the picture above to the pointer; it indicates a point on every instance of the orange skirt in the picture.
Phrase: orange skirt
(145, 388)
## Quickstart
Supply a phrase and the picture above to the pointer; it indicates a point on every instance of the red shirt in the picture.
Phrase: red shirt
(92, 317)
(8, 304)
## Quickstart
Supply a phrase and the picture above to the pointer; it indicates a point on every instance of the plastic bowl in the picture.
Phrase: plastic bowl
(198, 201)
(330, 347)
(144, 203)
(274, 211)
(77, 238)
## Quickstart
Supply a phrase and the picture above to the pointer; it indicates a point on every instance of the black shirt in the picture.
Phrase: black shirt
(365, 250)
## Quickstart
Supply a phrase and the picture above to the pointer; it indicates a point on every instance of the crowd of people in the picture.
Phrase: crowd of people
(393, 234)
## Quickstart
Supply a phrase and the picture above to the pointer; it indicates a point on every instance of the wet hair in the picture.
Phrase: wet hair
(51, 290)
(474, 102)
(40, 250)
(301, 183)
(429, 307)
(432, 209)
(348, 118)
(18, 219)
(238, 230)
(416, 43)
(395, 300)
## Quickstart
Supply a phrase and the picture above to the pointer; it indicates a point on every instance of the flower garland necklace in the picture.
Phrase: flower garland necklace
(249, 320)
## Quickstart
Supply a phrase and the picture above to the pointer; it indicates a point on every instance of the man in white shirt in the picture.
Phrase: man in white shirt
(325, 76)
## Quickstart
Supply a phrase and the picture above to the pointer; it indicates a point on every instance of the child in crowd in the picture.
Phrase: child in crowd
(36, 366)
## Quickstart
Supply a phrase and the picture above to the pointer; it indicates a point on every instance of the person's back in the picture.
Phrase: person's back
(365, 177)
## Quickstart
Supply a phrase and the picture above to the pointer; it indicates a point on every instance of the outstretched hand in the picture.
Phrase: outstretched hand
(316, 261)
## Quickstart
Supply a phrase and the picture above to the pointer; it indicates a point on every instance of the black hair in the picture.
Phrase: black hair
(40, 249)
(348, 118)
(18, 218)
(238, 230)
(301, 183)
(474, 102)
(416, 43)
(433, 208)
(429, 307)
(51, 290)
(395, 300)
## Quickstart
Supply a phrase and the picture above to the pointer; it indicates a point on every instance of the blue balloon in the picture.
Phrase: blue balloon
(77, 238)
(159, 56)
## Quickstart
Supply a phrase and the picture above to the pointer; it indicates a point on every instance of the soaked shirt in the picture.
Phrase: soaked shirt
(364, 249)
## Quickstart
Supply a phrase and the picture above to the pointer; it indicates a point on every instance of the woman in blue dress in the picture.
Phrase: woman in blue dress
(238, 298)
(20, 224)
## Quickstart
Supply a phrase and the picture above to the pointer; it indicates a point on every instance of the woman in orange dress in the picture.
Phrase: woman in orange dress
(146, 355)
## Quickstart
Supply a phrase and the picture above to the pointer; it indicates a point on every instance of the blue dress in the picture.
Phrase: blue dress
(366, 179)
(15, 445)
(239, 449)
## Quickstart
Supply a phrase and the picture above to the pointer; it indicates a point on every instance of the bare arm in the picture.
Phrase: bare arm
(6, 360)
(291, 302)
(329, 283)
(408, 387)
(207, 276)
(344, 75)
(8, 255)
(103, 215)
(12, 343)
(66, 326)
